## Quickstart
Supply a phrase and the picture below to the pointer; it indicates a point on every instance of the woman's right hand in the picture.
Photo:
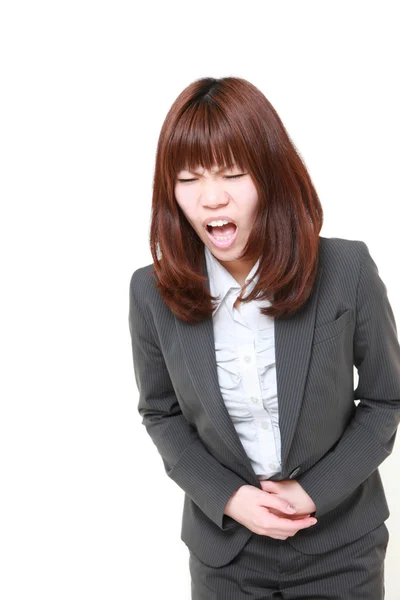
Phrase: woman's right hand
(248, 506)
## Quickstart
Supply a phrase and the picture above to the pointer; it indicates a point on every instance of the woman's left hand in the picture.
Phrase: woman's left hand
(290, 490)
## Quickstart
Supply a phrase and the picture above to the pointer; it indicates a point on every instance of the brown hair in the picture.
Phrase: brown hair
(226, 121)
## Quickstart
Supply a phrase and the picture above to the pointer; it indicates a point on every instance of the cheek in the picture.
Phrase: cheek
(254, 209)
(183, 205)
(190, 217)
(250, 198)
(188, 206)
(253, 199)
(188, 213)
(249, 207)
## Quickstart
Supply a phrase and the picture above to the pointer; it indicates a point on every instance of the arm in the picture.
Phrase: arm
(186, 460)
(370, 435)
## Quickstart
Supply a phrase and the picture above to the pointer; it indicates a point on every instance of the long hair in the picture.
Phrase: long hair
(226, 121)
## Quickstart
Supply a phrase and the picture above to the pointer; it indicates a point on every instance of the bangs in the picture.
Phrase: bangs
(203, 137)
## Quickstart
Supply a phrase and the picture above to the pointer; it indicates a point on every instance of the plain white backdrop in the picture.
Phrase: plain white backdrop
(87, 510)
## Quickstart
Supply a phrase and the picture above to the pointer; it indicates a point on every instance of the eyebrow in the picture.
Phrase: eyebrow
(218, 171)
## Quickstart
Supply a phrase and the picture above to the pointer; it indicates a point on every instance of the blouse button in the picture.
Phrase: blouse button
(247, 359)
(265, 425)
(254, 399)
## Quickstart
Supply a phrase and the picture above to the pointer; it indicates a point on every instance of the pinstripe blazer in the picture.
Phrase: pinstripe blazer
(330, 445)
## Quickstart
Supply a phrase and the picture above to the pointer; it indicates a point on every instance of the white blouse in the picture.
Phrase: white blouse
(245, 356)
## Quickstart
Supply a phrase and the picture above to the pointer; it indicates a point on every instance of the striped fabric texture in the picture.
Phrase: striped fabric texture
(330, 445)
(267, 569)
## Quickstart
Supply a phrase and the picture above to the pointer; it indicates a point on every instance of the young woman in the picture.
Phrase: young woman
(245, 332)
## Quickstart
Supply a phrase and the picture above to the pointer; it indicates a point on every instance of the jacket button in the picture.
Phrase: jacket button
(294, 473)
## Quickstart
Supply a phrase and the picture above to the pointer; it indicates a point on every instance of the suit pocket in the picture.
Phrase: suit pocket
(331, 329)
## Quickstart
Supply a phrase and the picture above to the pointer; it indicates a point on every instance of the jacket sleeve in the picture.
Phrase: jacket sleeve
(370, 435)
(186, 460)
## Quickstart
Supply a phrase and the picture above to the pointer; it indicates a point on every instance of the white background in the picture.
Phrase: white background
(87, 510)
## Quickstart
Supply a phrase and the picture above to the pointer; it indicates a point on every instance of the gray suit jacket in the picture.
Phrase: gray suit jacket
(330, 445)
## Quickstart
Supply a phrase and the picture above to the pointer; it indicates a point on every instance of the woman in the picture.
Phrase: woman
(245, 332)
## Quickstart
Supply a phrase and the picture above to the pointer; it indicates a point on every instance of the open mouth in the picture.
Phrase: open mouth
(222, 236)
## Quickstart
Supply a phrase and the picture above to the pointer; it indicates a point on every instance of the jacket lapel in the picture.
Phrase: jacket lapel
(293, 339)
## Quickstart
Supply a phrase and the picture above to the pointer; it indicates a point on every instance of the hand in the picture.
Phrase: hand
(253, 508)
(290, 490)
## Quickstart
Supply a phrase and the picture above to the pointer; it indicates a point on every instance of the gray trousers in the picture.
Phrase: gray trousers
(270, 568)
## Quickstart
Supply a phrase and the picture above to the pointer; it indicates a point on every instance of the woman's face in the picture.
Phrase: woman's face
(219, 194)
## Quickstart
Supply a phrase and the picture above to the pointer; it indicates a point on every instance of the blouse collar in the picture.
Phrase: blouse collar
(221, 281)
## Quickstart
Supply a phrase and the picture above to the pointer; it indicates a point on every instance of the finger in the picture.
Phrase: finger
(289, 525)
(274, 501)
(303, 523)
(278, 513)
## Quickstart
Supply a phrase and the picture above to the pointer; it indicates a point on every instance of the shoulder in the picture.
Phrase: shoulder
(343, 249)
(341, 262)
(341, 256)
(142, 275)
(143, 290)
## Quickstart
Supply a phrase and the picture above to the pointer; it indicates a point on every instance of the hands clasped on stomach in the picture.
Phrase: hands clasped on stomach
(268, 511)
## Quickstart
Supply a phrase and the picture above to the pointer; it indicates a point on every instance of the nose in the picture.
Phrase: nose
(213, 194)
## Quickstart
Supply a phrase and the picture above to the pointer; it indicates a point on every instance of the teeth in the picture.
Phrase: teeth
(223, 238)
(218, 223)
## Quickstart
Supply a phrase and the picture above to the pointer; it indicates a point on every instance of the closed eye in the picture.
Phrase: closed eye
(226, 177)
